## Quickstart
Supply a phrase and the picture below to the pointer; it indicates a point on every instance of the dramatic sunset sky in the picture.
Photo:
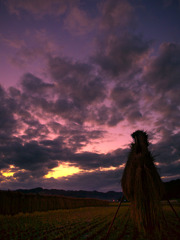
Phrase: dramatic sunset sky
(77, 78)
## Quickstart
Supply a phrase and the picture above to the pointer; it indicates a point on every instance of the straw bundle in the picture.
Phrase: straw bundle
(143, 187)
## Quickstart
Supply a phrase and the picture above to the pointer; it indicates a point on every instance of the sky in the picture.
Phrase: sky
(78, 77)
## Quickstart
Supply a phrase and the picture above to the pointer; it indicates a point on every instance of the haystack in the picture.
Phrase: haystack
(143, 187)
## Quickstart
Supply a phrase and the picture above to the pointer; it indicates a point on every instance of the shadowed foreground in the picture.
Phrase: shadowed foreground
(83, 223)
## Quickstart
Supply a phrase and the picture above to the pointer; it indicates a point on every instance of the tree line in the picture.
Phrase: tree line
(12, 202)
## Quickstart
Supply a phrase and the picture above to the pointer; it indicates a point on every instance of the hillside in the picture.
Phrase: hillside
(77, 194)
(172, 191)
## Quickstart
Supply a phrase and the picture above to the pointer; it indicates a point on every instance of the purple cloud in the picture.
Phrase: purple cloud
(120, 55)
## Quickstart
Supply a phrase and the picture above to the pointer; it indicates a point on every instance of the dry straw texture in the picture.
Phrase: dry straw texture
(143, 187)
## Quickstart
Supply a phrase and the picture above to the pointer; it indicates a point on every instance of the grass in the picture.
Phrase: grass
(82, 223)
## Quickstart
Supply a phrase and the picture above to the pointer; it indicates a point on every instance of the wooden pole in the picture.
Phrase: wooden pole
(107, 235)
(173, 210)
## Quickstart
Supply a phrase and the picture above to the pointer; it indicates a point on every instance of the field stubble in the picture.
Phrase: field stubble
(90, 223)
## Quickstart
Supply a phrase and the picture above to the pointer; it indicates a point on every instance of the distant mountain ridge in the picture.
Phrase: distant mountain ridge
(111, 195)
(172, 191)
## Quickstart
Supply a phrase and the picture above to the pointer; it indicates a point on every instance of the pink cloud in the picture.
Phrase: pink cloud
(15, 43)
(78, 22)
(39, 8)
(42, 45)
(116, 13)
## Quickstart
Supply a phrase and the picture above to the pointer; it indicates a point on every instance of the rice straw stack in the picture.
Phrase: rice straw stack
(143, 187)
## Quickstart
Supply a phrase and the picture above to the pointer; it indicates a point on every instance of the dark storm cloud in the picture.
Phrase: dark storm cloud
(168, 149)
(116, 14)
(7, 107)
(115, 117)
(23, 105)
(22, 151)
(38, 131)
(162, 77)
(170, 170)
(127, 103)
(94, 90)
(65, 108)
(78, 139)
(32, 156)
(7, 144)
(61, 107)
(122, 96)
(164, 70)
(104, 115)
(74, 89)
(167, 154)
(64, 69)
(43, 124)
(106, 180)
(77, 88)
(23, 176)
(14, 92)
(134, 116)
(26, 109)
(36, 158)
(76, 80)
(119, 55)
(31, 84)
(98, 180)
(76, 136)
(90, 160)
(168, 108)
(39, 157)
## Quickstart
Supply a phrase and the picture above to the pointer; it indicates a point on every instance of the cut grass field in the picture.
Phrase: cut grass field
(82, 223)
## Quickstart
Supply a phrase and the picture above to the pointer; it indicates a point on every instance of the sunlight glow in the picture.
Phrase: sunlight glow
(8, 172)
(65, 169)
(171, 177)
(62, 170)
(112, 168)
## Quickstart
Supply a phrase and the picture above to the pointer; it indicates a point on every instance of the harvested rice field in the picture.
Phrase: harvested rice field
(81, 223)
